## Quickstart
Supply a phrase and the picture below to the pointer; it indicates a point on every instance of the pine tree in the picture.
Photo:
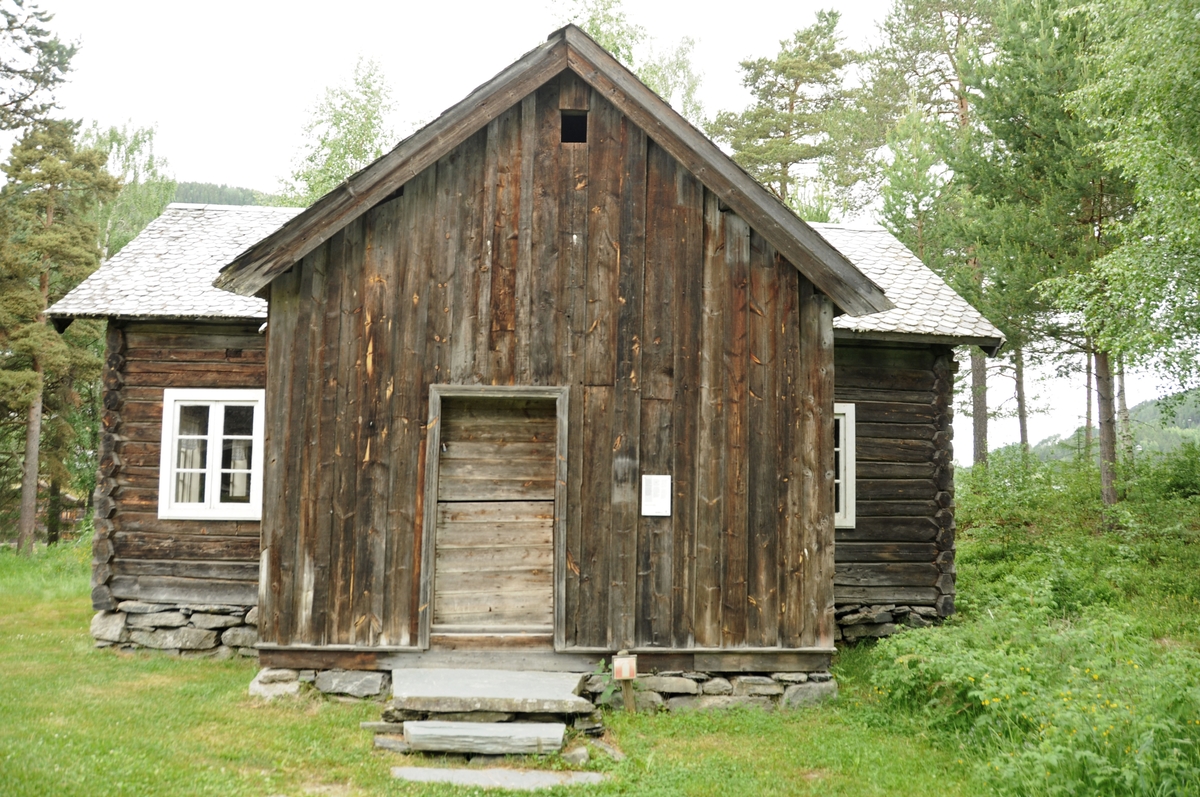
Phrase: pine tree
(1046, 203)
(50, 246)
(797, 97)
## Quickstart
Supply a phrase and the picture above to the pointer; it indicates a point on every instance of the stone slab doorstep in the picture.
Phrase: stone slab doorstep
(498, 738)
(446, 690)
(391, 743)
(515, 779)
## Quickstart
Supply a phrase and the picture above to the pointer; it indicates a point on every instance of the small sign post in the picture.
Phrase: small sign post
(624, 667)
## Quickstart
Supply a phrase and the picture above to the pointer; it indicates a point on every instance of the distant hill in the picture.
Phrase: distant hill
(213, 194)
(1161, 425)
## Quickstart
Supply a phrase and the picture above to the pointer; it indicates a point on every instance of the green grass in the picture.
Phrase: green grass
(1073, 667)
(75, 720)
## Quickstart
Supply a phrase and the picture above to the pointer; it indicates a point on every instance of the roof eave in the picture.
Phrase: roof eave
(990, 345)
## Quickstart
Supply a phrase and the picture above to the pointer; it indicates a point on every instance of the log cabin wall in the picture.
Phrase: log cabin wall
(901, 549)
(136, 555)
(689, 348)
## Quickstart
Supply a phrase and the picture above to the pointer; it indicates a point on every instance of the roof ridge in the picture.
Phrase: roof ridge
(237, 208)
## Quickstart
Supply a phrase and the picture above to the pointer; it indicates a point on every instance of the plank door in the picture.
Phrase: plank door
(494, 543)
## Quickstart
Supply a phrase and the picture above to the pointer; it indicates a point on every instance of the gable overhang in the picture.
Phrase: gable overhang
(569, 48)
(992, 346)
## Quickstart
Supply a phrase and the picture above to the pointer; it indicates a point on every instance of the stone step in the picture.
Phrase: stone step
(491, 738)
(513, 692)
(512, 779)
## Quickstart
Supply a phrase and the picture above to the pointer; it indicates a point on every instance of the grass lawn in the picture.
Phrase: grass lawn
(75, 720)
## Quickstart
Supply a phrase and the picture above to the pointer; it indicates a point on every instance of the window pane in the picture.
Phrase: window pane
(837, 499)
(189, 488)
(239, 420)
(192, 453)
(235, 488)
(193, 419)
(235, 454)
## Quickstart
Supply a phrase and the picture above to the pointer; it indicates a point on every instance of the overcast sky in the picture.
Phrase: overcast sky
(229, 84)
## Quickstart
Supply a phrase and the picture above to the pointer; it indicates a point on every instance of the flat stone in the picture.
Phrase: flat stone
(577, 757)
(756, 686)
(176, 638)
(820, 677)
(491, 738)
(790, 677)
(668, 684)
(872, 631)
(393, 714)
(444, 690)
(157, 620)
(383, 727)
(138, 607)
(277, 675)
(515, 779)
(224, 653)
(249, 653)
(252, 616)
(589, 722)
(865, 616)
(396, 744)
(273, 689)
(809, 694)
(717, 686)
(240, 637)
(205, 620)
(308, 676)
(642, 701)
(109, 627)
(924, 611)
(697, 676)
(356, 683)
(475, 716)
(597, 684)
(917, 621)
(214, 608)
(718, 702)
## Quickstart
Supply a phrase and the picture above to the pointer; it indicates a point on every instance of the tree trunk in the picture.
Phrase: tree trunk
(979, 410)
(1022, 409)
(29, 478)
(53, 513)
(1123, 413)
(1108, 428)
(1087, 423)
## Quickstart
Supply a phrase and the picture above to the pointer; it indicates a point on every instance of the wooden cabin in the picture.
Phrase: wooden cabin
(176, 528)
(555, 378)
(480, 347)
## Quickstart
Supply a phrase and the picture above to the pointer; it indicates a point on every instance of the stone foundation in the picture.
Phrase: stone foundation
(192, 630)
(666, 691)
(856, 622)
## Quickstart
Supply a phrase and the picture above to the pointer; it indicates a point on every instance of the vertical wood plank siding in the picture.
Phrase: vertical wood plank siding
(136, 555)
(603, 266)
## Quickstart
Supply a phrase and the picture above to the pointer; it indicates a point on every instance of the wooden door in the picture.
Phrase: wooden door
(494, 543)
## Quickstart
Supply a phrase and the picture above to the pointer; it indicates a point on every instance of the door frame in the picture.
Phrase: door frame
(433, 449)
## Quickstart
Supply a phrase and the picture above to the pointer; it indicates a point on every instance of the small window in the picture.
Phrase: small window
(843, 466)
(211, 462)
(574, 127)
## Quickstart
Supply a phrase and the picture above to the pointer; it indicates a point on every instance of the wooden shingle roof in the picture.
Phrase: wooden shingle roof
(569, 48)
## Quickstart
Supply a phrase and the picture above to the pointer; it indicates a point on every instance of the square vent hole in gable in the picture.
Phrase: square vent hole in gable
(574, 127)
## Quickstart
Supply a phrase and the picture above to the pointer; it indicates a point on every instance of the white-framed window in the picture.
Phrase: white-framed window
(212, 455)
(843, 466)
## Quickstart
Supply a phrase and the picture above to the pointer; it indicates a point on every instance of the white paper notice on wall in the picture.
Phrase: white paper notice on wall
(656, 496)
